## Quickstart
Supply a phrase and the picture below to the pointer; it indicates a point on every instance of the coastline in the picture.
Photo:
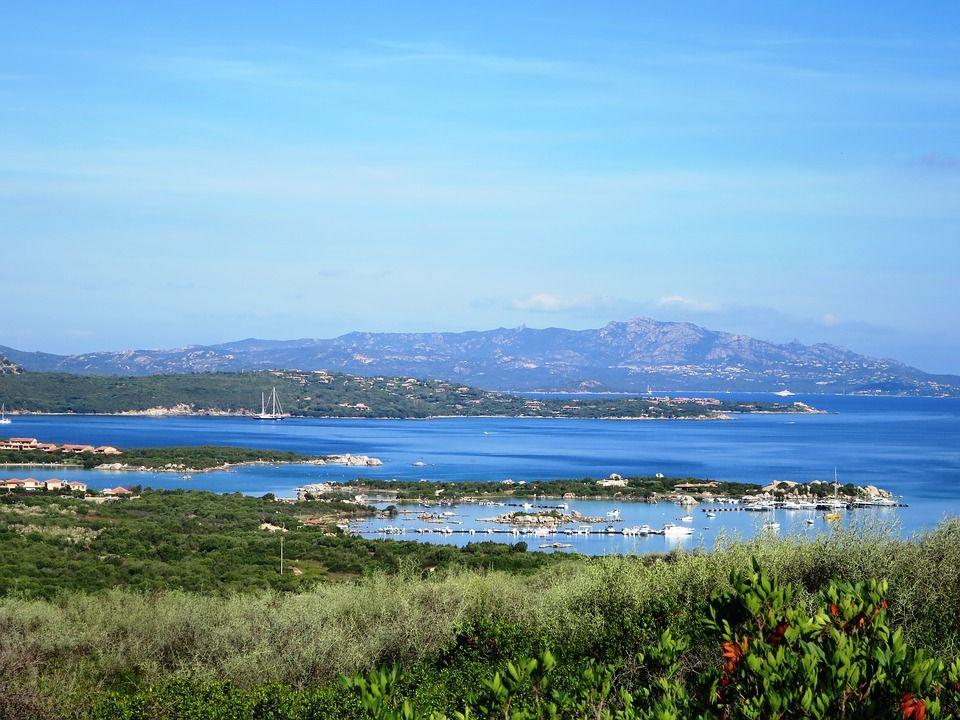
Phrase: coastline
(346, 459)
(725, 415)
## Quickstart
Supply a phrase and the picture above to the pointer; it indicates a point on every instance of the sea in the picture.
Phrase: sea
(909, 446)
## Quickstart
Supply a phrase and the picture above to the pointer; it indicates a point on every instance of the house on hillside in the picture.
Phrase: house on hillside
(107, 450)
(615, 480)
(116, 492)
(77, 449)
(77, 486)
(54, 484)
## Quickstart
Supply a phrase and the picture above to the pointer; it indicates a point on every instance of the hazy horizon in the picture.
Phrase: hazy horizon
(193, 174)
(234, 340)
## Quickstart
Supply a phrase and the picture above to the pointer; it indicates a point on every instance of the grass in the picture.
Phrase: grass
(455, 622)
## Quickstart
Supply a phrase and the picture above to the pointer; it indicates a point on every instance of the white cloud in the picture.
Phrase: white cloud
(551, 303)
(829, 320)
(684, 303)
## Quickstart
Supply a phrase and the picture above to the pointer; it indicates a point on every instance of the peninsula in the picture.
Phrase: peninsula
(325, 394)
(650, 488)
(194, 459)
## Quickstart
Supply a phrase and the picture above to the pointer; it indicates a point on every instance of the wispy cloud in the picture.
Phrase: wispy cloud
(937, 162)
(411, 52)
(543, 302)
(679, 302)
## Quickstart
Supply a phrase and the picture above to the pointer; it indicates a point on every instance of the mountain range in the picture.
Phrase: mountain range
(634, 355)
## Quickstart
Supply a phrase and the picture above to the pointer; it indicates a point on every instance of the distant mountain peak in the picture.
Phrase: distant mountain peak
(622, 355)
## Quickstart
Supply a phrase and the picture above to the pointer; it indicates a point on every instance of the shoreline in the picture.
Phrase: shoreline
(725, 415)
(346, 460)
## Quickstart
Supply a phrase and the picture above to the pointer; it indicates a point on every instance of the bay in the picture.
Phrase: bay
(910, 446)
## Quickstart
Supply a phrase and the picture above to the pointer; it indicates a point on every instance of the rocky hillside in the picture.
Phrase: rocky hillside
(621, 356)
(8, 368)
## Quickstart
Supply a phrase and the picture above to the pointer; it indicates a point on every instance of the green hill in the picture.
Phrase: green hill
(322, 394)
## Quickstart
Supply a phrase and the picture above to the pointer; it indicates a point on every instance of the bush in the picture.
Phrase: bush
(771, 659)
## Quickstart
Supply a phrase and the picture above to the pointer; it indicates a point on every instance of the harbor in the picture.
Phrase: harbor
(609, 526)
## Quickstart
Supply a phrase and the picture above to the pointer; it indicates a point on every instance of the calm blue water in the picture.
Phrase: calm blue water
(910, 446)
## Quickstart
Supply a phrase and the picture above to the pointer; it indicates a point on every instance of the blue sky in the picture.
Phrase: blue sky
(199, 172)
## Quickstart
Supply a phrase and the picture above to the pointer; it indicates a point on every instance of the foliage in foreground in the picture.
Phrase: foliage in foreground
(772, 659)
(448, 630)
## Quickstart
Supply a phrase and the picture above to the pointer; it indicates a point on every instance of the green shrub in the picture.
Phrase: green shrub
(773, 659)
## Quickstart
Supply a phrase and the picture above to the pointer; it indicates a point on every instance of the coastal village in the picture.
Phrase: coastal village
(32, 444)
(54, 485)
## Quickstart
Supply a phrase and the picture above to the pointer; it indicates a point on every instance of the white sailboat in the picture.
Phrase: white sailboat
(4, 420)
(275, 411)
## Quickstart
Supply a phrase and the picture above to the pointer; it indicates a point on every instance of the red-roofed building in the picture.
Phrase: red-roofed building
(78, 448)
(77, 486)
(116, 492)
(22, 443)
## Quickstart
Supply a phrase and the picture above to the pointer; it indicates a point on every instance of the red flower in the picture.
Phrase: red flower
(913, 708)
(733, 653)
(834, 610)
(778, 632)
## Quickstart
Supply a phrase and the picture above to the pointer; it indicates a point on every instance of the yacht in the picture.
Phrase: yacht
(686, 518)
(4, 420)
(671, 530)
(615, 513)
(275, 411)
(771, 526)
